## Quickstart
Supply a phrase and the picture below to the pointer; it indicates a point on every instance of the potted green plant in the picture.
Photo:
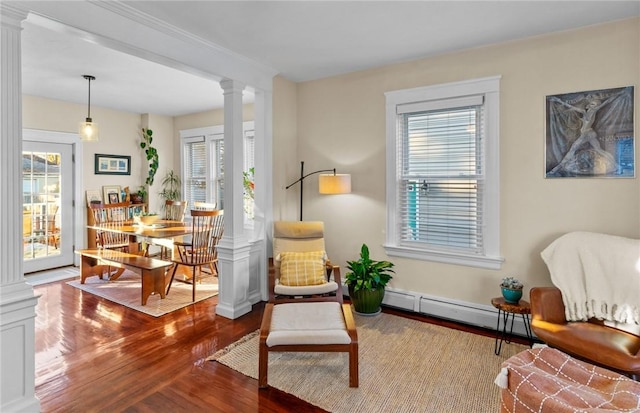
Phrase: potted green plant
(511, 289)
(248, 182)
(171, 186)
(366, 281)
(138, 196)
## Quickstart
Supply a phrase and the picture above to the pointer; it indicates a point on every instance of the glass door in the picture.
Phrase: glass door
(47, 208)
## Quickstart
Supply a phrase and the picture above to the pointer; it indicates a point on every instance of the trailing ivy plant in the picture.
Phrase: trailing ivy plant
(152, 154)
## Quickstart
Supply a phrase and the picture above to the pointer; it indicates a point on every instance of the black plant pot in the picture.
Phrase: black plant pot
(366, 302)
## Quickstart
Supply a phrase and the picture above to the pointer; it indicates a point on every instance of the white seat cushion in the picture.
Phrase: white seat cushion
(307, 323)
(325, 288)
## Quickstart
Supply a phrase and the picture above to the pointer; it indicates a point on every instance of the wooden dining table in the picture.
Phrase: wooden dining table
(162, 232)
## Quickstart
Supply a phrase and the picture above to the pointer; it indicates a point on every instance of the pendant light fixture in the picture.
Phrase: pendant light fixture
(89, 129)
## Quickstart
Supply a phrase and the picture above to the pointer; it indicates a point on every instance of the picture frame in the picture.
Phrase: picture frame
(93, 197)
(112, 164)
(112, 194)
(590, 134)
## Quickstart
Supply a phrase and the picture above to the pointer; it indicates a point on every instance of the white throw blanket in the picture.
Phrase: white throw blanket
(598, 275)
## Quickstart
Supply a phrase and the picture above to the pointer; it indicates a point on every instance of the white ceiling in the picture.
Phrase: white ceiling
(302, 40)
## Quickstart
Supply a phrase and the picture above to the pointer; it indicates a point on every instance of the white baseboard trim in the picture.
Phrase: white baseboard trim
(460, 311)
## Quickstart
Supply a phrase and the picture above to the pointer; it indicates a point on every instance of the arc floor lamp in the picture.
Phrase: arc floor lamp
(329, 184)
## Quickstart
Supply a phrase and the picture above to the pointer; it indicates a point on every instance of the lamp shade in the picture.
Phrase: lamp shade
(334, 183)
(88, 131)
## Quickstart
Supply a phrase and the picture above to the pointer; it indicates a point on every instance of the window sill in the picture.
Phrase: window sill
(447, 257)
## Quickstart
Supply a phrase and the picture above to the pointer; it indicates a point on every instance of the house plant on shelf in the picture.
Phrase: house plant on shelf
(139, 196)
(171, 186)
(511, 289)
(366, 281)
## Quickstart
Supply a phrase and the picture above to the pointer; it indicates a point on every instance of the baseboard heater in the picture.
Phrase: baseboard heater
(485, 316)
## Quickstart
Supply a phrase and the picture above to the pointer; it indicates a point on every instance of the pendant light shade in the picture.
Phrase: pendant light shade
(88, 129)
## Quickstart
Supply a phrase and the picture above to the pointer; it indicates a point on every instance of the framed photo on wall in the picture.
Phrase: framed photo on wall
(112, 164)
(112, 194)
(590, 134)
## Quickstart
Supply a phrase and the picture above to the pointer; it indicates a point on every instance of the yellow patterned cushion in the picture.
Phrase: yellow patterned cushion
(302, 268)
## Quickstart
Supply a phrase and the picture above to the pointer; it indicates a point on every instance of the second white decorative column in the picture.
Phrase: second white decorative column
(234, 248)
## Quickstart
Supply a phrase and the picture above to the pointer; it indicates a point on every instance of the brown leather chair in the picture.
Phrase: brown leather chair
(590, 340)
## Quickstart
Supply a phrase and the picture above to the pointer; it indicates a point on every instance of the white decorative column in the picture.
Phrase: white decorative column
(263, 115)
(234, 248)
(17, 300)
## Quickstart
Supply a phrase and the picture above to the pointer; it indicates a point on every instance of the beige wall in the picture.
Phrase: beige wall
(119, 135)
(208, 118)
(286, 163)
(341, 123)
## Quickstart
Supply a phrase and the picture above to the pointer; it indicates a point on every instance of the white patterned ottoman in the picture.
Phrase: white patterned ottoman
(548, 380)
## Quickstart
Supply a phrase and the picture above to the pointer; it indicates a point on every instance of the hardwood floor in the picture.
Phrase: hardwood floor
(93, 355)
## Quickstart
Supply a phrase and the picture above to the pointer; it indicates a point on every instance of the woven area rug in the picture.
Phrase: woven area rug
(405, 366)
(126, 290)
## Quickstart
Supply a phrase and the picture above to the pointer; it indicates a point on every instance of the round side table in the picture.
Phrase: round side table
(505, 310)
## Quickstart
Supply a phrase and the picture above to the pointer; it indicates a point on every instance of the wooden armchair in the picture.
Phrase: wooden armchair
(290, 239)
(207, 229)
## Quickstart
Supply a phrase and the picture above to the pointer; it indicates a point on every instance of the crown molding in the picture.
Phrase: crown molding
(124, 10)
(12, 15)
(121, 27)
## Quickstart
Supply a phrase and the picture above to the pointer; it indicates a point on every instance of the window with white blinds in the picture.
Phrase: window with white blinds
(195, 170)
(203, 162)
(441, 180)
(440, 207)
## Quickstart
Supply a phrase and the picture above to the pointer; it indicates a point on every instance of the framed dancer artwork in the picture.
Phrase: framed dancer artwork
(590, 134)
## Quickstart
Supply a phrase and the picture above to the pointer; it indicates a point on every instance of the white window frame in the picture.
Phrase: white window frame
(210, 134)
(489, 88)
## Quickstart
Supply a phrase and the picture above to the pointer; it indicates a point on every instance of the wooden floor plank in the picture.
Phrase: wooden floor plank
(95, 355)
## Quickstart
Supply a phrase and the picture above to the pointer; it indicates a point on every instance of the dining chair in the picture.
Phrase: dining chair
(174, 211)
(111, 215)
(207, 229)
(207, 206)
(45, 226)
(204, 205)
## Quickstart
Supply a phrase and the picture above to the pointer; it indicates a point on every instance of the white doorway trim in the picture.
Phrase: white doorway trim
(73, 139)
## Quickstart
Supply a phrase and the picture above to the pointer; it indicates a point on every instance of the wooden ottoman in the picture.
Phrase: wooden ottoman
(308, 327)
(547, 380)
